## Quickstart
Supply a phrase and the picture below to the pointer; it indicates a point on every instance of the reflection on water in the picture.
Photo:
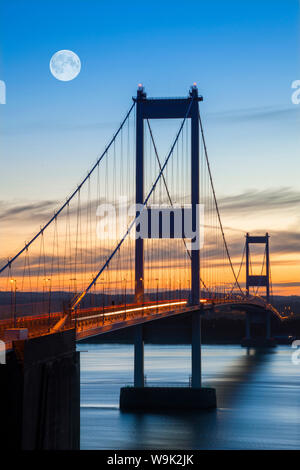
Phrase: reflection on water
(258, 397)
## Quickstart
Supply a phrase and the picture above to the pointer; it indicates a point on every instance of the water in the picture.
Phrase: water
(258, 399)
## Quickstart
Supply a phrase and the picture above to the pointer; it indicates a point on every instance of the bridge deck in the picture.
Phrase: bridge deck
(94, 321)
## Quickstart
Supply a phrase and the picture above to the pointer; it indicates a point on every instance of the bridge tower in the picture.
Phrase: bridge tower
(261, 280)
(196, 396)
(167, 108)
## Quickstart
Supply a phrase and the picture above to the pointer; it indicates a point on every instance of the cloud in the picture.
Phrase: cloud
(52, 126)
(281, 242)
(285, 241)
(285, 262)
(254, 200)
(238, 204)
(41, 211)
(286, 284)
(259, 113)
(31, 210)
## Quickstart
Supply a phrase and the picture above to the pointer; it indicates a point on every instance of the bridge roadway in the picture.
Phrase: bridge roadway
(98, 320)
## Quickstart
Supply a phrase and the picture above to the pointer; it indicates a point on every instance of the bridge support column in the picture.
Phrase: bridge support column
(248, 326)
(40, 394)
(139, 194)
(268, 325)
(139, 357)
(261, 320)
(196, 350)
(165, 398)
(195, 252)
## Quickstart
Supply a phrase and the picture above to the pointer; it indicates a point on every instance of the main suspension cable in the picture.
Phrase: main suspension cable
(217, 207)
(56, 214)
(82, 295)
(168, 192)
(240, 268)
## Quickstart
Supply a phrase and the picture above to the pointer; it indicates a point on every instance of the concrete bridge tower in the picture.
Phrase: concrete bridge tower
(261, 280)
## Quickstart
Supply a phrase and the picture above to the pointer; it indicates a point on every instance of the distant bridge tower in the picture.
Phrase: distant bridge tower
(261, 280)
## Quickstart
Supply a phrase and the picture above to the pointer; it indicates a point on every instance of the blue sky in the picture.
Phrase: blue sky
(244, 55)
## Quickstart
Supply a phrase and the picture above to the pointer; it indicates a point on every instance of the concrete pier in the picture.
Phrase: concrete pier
(196, 350)
(258, 342)
(144, 398)
(263, 319)
(248, 326)
(167, 398)
(40, 394)
(138, 357)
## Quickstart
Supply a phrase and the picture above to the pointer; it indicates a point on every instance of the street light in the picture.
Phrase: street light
(48, 280)
(125, 297)
(93, 297)
(13, 300)
(141, 279)
(102, 282)
(189, 291)
(75, 286)
(157, 294)
(179, 282)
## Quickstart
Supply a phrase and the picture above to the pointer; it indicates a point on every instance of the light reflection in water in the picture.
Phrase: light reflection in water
(258, 399)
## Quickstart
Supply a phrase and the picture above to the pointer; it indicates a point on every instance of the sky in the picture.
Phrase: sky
(244, 56)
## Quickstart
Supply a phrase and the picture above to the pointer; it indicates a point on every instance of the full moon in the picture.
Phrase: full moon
(65, 65)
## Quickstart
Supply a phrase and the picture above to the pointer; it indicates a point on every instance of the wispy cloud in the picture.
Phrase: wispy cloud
(40, 211)
(254, 200)
(281, 242)
(286, 241)
(237, 204)
(52, 126)
(31, 210)
(258, 113)
(286, 284)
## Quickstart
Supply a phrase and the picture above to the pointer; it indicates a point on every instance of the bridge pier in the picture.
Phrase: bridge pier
(144, 398)
(268, 325)
(139, 357)
(258, 318)
(248, 326)
(196, 350)
(40, 394)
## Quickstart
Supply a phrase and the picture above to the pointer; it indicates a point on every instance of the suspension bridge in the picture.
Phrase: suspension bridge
(94, 268)
(78, 271)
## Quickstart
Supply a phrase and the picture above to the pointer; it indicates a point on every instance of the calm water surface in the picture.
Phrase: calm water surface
(258, 399)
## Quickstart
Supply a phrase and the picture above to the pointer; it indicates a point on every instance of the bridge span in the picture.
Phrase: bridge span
(72, 259)
(94, 321)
